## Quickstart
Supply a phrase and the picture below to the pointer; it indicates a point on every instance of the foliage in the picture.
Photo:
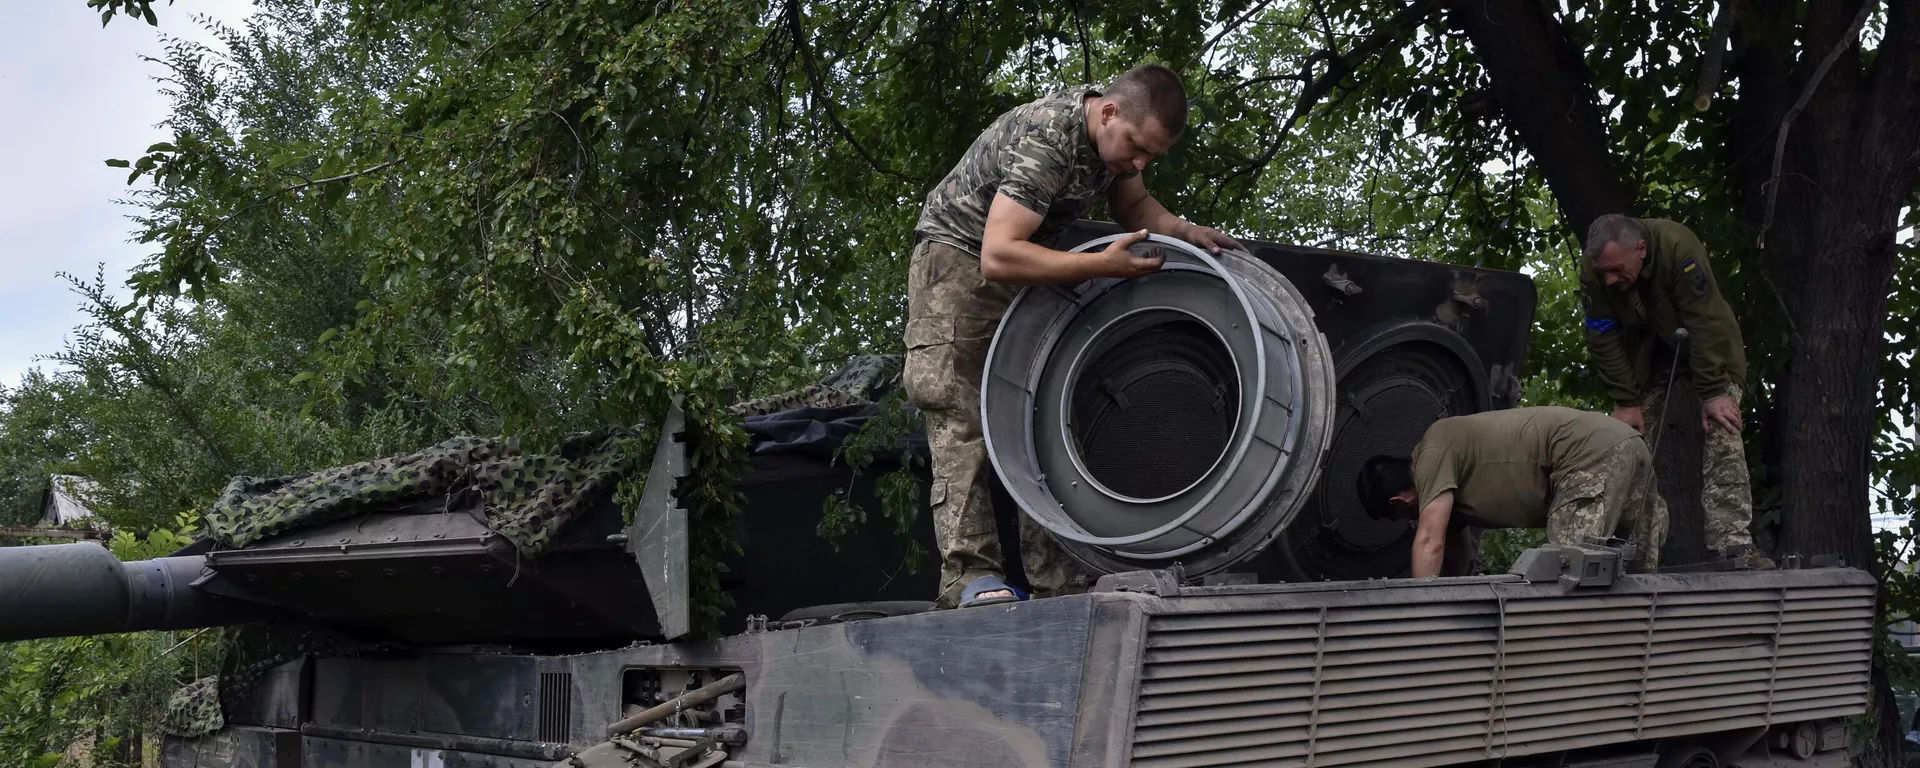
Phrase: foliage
(1501, 546)
(139, 9)
(104, 691)
(378, 224)
(897, 490)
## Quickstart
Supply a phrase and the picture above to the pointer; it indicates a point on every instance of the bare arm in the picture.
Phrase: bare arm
(1430, 538)
(1006, 256)
(1134, 209)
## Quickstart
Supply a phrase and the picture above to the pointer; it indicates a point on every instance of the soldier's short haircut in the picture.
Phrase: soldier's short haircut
(1382, 478)
(1612, 228)
(1156, 90)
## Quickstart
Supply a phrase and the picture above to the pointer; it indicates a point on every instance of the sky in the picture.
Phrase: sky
(73, 94)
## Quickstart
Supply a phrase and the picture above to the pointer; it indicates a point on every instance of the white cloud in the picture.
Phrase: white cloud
(73, 94)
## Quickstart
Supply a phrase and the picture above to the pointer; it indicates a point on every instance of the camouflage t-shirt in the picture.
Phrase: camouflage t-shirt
(1039, 155)
(1502, 466)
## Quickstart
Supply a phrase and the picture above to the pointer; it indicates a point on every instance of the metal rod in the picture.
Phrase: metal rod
(693, 698)
(729, 735)
(522, 750)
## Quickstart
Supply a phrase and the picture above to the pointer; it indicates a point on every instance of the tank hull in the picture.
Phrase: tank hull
(1397, 673)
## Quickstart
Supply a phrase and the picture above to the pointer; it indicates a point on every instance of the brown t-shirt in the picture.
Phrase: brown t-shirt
(1502, 465)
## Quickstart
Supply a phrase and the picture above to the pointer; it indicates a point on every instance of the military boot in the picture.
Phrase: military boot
(1747, 557)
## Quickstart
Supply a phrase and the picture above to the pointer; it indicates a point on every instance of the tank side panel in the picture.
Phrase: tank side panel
(277, 701)
(489, 696)
(338, 753)
(1423, 674)
(979, 687)
(234, 747)
(1111, 680)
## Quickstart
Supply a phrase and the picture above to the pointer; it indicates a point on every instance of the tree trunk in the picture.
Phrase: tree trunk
(1823, 222)
(1547, 98)
(1826, 216)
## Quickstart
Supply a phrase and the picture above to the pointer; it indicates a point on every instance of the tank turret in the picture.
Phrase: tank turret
(436, 572)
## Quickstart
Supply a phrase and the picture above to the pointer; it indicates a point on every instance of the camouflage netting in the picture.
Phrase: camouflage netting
(863, 379)
(526, 498)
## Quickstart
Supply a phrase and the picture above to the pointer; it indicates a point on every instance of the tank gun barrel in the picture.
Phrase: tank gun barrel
(68, 590)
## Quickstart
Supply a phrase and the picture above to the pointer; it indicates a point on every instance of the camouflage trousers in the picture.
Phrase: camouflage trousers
(1725, 495)
(952, 313)
(1614, 497)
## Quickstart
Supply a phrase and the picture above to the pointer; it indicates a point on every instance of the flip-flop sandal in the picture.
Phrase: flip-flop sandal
(970, 597)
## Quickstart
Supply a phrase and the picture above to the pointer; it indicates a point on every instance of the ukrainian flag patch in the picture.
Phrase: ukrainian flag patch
(1600, 324)
(1688, 266)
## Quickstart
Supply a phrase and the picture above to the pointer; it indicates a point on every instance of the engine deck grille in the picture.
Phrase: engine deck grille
(556, 706)
(1439, 683)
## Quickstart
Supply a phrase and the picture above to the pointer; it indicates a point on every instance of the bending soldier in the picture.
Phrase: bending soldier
(1033, 171)
(1582, 476)
(1643, 282)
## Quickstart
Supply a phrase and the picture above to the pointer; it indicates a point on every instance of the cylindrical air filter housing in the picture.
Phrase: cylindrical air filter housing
(1179, 417)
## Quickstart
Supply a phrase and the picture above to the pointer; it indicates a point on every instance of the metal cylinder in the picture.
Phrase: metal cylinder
(67, 590)
(1175, 418)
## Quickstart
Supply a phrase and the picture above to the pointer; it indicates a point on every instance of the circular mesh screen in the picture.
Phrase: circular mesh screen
(1154, 411)
(1391, 421)
(1387, 402)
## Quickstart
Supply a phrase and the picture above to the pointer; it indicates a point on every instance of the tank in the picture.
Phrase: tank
(1246, 613)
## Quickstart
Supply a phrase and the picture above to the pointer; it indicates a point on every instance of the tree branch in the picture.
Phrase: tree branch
(1547, 100)
(1339, 66)
(797, 24)
(1714, 54)
(1813, 83)
(1228, 29)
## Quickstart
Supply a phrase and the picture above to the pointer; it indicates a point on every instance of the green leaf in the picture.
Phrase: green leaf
(118, 164)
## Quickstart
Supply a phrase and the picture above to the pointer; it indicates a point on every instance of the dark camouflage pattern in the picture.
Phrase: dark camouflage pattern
(1726, 497)
(1614, 497)
(1039, 155)
(194, 710)
(526, 498)
(863, 379)
(952, 313)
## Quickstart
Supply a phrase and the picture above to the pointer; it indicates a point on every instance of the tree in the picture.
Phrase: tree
(1802, 174)
(394, 221)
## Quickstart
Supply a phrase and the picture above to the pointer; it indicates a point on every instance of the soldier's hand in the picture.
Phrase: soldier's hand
(1632, 416)
(1122, 262)
(1722, 411)
(1211, 239)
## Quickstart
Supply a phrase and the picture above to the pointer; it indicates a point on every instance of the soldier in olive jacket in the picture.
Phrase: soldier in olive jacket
(1643, 282)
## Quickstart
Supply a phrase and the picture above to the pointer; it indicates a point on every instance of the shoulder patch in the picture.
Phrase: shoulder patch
(1601, 324)
(1696, 277)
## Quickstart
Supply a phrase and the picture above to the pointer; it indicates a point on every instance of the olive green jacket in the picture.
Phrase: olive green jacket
(1676, 289)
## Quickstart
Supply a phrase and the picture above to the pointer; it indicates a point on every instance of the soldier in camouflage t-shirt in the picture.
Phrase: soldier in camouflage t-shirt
(1034, 170)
